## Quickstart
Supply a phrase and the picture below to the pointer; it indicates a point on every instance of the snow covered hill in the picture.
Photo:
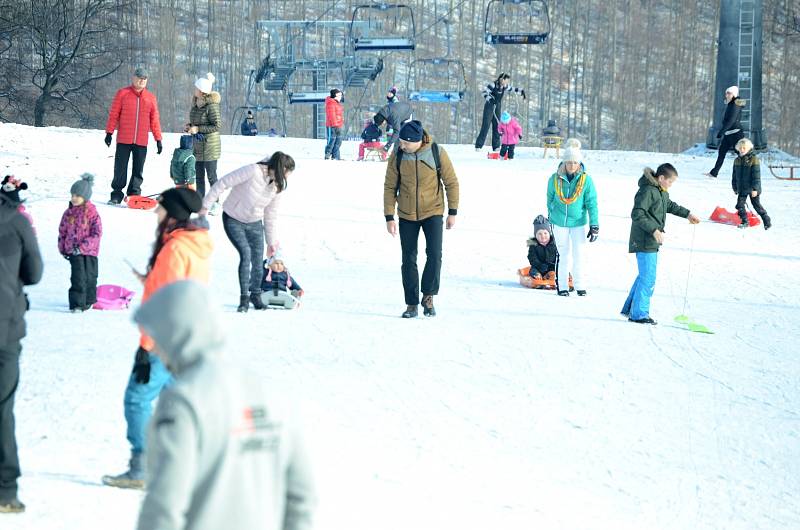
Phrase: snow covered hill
(512, 409)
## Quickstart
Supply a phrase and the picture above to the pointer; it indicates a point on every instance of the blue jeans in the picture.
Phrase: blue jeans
(637, 305)
(139, 399)
(334, 142)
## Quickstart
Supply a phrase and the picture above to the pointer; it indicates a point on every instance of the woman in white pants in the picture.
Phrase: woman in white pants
(571, 199)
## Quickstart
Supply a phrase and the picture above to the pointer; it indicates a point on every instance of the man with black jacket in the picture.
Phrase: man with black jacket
(731, 129)
(493, 107)
(20, 264)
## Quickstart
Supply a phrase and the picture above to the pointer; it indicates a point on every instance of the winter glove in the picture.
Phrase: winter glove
(141, 366)
(159, 147)
(592, 235)
(76, 251)
(199, 137)
(522, 92)
(108, 140)
(297, 293)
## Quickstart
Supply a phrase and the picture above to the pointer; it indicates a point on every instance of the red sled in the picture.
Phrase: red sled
(726, 217)
(530, 282)
(493, 156)
(140, 202)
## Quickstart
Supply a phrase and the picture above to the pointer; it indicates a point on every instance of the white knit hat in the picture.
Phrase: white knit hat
(203, 84)
(734, 90)
(572, 151)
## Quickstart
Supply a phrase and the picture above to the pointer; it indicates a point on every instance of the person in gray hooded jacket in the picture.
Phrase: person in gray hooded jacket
(223, 452)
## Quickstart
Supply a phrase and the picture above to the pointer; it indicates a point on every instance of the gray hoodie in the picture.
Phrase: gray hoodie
(223, 453)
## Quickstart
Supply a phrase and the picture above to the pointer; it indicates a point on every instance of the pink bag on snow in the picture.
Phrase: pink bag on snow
(113, 297)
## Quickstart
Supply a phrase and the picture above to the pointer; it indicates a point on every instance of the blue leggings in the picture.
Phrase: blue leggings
(637, 305)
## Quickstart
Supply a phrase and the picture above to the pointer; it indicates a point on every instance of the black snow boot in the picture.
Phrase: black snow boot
(255, 298)
(563, 293)
(410, 312)
(427, 306)
(244, 304)
(767, 222)
(581, 292)
(12, 506)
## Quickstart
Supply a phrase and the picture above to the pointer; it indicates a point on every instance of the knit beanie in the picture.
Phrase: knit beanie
(83, 187)
(411, 131)
(181, 203)
(203, 84)
(10, 188)
(542, 223)
(572, 151)
(187, 141)
(733, 90)
(505, 117)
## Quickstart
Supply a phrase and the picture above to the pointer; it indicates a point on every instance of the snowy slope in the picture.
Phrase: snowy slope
(512, 409)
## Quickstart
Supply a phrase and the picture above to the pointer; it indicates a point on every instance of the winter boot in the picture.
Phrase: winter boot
(581, 292)
(12, 506)
(645, 320)
(767, 222)
(563, 293)
(131, 479)
(255, 298)
(427, 306)
(244, 304)
(410, 312)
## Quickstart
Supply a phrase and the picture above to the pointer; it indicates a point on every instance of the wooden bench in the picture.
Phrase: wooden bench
(552, 142)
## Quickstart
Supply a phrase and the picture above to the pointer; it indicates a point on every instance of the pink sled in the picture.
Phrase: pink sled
(113, 297)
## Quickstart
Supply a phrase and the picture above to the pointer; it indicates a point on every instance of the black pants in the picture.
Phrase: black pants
(741, 207)
(490, 113)
(207, 168)
(9, 379)
(507, 148)
(121, 158)
(83, 281)
(728, 143)
(248, 240)
(409, 236)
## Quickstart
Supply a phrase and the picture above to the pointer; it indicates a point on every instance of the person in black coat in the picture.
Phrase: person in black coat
(249, 127)
(493, 95)
(20, 265)
(731, 130)
(542, 250)
(746, 183)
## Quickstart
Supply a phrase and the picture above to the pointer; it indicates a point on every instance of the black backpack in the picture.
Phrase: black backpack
(436, 162)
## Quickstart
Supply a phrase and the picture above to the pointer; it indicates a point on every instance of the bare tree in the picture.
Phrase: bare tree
(63, 47)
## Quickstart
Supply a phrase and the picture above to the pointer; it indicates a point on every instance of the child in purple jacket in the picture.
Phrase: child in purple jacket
(79, 242)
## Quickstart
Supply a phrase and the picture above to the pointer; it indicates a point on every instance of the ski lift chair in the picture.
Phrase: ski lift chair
(377, 15)
(452, 90)
(516, 22)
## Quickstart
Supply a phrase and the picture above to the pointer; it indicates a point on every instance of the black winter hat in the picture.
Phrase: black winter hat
(10, 188)
(181, 203)
(411, 131)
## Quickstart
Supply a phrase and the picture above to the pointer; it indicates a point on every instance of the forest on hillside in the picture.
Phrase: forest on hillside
(618, 74)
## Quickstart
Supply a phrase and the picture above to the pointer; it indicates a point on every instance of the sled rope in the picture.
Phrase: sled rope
(689, 271)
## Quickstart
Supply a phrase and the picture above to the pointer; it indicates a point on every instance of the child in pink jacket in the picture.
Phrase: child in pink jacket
(511, 133)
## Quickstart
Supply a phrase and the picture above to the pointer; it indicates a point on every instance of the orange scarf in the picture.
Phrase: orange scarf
(578, 189)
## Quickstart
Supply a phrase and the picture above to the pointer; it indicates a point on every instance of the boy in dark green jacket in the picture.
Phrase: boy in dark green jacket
(746, 183)
(181, 168)
(648, 217)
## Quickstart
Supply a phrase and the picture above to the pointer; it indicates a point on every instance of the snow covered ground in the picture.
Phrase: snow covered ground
(512, 409)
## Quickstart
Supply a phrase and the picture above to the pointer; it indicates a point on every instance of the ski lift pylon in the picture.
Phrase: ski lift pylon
(516, 22)
(400, 39)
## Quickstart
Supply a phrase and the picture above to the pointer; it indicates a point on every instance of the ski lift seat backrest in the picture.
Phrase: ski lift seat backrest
(499, 17)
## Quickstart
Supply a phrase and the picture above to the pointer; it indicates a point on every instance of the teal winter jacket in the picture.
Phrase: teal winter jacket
(570, 215)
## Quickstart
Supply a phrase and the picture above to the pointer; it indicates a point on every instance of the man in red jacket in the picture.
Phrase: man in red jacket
(134, 113)
(334, 120)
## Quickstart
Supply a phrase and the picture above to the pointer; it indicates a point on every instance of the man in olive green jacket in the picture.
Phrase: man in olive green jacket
(416, 192)
(648, 218)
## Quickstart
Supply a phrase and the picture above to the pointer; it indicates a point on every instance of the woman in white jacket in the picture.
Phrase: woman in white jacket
(249, 216)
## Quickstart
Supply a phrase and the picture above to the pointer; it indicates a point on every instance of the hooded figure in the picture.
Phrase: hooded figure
(223, 452)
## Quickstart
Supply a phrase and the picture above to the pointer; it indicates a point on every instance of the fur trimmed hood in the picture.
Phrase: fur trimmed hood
(205, 99)
(648, 178)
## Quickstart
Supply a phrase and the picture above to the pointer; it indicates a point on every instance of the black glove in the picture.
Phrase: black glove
(523, 94)
(141, 366)
(719, 135)
(108, 140)
(592, 235)
(159, 147)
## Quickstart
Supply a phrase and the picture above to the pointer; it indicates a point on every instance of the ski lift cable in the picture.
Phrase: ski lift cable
(440, 19)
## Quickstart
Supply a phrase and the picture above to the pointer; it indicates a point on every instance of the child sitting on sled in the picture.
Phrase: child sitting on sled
(278, 288)
(371, 136)
(542, 252)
